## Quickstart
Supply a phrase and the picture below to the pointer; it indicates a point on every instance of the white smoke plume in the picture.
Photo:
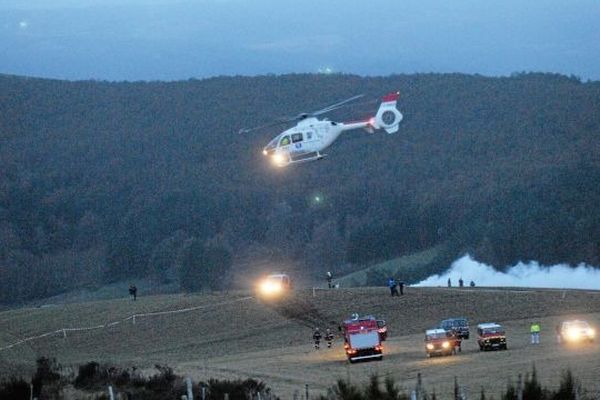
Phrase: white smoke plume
(531, 274)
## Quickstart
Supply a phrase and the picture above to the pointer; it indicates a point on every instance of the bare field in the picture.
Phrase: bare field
(231, 335)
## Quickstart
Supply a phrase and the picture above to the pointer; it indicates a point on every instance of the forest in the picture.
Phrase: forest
(109, 181)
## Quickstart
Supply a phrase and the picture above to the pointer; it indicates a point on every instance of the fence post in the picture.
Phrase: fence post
(314, 293)
(456, 389)
(133, 319)
(306, 391)
(190, 393)
(418, 389)
(203, 392)
(111, 395)
(296, 394)
(413, 395)
(64, 333)
(226, 396)
(520, 388)
(31, 391)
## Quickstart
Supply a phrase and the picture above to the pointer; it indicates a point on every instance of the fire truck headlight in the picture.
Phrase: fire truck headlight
(446, 345)
(429, 346)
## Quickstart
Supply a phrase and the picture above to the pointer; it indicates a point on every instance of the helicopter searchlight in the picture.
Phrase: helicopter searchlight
(306, 140)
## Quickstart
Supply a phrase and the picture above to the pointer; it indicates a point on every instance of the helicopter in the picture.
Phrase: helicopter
(306, 140)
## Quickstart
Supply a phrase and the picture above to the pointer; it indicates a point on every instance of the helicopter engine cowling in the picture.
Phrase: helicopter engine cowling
(388, 117)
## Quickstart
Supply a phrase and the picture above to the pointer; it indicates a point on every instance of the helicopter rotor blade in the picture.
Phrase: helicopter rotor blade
(335, 106)
(278, 121)
(301, 116)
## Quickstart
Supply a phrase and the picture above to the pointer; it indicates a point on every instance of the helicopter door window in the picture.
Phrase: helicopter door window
(284, 141)
(296, 137)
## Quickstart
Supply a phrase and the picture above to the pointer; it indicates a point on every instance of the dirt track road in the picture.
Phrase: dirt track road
(289, 368)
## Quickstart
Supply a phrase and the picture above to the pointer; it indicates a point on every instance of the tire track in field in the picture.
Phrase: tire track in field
(301, 311)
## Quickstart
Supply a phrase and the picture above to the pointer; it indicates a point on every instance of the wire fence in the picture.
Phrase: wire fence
(63, 331)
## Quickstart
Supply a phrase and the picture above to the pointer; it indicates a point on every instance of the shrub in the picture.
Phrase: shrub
(237, 389)
(87, 375)
(14, 388)
(46, 380)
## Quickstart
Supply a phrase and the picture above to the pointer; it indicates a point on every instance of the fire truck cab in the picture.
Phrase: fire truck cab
(362, 338)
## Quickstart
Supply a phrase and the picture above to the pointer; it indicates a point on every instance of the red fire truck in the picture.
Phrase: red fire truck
(362, 338)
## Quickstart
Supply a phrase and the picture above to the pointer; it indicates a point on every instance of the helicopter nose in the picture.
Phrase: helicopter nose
(279, 160)
(268, 152)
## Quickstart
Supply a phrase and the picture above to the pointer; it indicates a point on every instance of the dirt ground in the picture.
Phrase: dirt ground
(233, 335)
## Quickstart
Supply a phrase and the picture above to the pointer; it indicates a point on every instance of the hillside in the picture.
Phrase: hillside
(104, 181)
(232, 335)
(404, 268)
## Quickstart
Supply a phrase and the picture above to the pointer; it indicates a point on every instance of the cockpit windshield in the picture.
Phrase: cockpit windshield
(284, 141)
(436, 336)
(272, 144)
(493, 331)
(577, 325)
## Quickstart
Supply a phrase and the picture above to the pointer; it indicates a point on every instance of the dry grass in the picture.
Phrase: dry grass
(272, 341)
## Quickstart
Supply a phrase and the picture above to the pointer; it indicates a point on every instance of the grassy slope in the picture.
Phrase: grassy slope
(399, 267)
(272, 341)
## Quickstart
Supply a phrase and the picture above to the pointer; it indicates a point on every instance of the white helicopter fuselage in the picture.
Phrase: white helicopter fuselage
(306, 141)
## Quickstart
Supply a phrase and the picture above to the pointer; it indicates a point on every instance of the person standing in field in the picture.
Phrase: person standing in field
(535, 330)
(393, 287)
(401, 287)
(317, 338)
(329, 338)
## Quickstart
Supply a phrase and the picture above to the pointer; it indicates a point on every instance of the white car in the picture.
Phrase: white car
(274, 285)
(576, 331)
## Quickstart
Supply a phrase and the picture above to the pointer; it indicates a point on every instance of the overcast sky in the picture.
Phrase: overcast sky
(172, 40)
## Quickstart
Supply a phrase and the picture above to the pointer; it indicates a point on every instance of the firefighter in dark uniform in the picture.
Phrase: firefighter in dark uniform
(133, 292)
(401, 287)
(393, 286)
(457, 342)
(317, 338)
(329, 338)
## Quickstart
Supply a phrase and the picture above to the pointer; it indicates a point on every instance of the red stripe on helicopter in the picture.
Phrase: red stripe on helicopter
(391, 97)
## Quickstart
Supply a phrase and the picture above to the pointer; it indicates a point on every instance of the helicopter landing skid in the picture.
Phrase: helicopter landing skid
(312, 156)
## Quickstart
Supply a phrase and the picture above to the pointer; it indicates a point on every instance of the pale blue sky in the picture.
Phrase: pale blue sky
(172, 40)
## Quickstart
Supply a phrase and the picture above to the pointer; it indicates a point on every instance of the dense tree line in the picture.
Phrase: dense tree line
(103, 181)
